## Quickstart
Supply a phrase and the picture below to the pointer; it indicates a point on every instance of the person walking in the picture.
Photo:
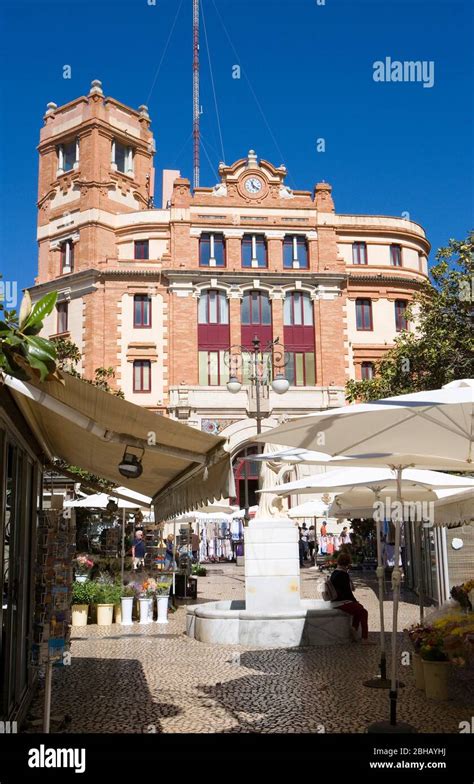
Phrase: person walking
(304, 536)
(169, 554)
(300, 547)
(138, 550)
(344, 589)
(312, 542)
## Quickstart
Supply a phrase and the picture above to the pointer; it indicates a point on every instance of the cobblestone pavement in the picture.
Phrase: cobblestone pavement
(153, 678)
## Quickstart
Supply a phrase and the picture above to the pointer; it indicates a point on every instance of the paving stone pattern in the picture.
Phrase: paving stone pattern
(154, 678)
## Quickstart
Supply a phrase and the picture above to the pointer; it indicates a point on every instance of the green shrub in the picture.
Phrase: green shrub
(81, 592)
(106, 593)
(198, 570)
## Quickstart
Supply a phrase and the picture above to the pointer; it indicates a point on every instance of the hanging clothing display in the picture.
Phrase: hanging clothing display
(219, 539)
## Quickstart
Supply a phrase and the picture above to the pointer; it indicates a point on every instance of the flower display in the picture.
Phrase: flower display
(460, 593)
(83, 564)
(449, 637)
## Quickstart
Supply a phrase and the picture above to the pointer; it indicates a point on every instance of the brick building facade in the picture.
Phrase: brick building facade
(159, 294)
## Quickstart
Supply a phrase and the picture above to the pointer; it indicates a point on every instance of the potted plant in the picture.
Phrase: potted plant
(81, 596)
(198, 570)
(162, 597)
(82, 567)
(128, 594)
(145, 592)
(106, 595)
(436, 665)
(150, 586)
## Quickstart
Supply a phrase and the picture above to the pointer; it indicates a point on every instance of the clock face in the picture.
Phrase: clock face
(253, 185)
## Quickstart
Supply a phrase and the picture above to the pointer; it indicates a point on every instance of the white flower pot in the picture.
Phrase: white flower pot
(79, 614)
(162, 606)
(144, 610)
(127, 608)
(436, 679)
(105, 614)
(81, 578)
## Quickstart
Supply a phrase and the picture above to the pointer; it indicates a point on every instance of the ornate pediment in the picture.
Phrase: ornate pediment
(252, 180)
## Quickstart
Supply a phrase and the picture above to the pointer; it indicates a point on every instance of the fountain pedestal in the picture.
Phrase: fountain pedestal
(272, 566)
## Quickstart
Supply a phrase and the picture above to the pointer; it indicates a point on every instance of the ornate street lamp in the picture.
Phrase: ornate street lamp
(269, 361)
(266, 369)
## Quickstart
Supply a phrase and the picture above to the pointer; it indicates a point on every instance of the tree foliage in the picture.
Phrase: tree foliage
(69, 357)
(442, 348)
(23, 354)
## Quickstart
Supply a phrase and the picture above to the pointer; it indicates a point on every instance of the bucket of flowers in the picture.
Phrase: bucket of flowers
(82, 565)
(146, 591)
(162, 597)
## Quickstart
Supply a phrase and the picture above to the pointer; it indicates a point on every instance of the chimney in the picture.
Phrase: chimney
(169, 176)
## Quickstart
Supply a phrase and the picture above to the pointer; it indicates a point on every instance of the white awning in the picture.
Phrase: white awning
(183, 468)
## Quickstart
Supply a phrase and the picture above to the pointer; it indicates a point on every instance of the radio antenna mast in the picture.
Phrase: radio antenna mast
(196, 108)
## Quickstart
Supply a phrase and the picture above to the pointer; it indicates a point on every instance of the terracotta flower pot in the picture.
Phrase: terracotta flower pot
(418, 671)
(436, 674)
(79, 614)
(105, 614)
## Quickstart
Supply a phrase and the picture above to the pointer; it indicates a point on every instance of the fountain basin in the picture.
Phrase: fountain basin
(314, 622)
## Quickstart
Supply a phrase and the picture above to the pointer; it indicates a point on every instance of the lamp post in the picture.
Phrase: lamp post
(266, 369)
(234, 359)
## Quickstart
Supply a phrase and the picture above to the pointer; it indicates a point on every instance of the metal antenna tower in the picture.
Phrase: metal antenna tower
(196, 108)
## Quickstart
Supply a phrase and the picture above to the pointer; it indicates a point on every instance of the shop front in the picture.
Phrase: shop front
(20, 486)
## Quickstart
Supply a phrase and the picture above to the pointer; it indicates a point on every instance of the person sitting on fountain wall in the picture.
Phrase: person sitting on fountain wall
(344, 589)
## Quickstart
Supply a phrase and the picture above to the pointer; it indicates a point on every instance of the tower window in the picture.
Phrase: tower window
(122, 157)
(67, 257)
(68, 156)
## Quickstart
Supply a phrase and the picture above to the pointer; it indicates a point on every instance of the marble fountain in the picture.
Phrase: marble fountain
(273, 614)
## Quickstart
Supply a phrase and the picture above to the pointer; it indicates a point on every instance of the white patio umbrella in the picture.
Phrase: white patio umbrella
(432, 429)
(314, 508)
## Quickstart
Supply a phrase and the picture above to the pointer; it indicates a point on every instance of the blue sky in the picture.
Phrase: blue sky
(307, 74)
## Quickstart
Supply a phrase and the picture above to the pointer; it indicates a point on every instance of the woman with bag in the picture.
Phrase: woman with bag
(344, 587)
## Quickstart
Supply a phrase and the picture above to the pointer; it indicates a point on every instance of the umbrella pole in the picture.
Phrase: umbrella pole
(381, 681)
(392, 726)
(122, 566)
(419, 558)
